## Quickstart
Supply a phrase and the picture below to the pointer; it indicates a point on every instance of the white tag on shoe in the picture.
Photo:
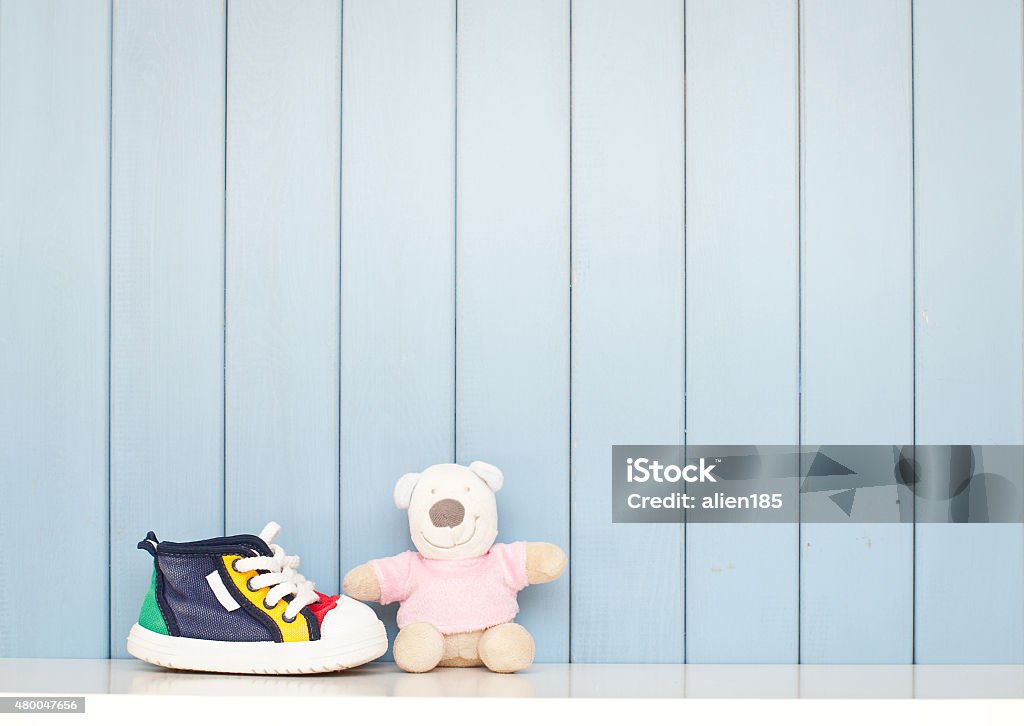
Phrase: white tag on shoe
(221, 592)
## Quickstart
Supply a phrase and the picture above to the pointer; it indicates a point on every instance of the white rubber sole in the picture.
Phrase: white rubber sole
(317, 656)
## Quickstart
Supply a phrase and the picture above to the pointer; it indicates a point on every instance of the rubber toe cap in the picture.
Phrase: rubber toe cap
(347, 618)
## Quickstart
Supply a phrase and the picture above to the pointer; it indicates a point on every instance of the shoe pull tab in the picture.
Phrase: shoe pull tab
(149, 544)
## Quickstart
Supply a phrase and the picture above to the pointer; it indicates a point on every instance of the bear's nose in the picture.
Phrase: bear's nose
(447, 513)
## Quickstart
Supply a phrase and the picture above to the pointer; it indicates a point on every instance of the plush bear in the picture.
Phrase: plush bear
(458, 591)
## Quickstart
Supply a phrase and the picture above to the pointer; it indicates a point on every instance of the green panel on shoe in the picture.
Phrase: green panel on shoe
(150, 616)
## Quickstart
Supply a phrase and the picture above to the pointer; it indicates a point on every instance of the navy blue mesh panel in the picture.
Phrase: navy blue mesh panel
(196, 608)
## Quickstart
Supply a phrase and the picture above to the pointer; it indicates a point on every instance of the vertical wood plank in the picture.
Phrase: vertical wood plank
(967, 99)
(627, 318)
(512, 317)
(742, 310)
(167, 286)
(283, 166)
(54, 225)
(858, 378)
(397, 290)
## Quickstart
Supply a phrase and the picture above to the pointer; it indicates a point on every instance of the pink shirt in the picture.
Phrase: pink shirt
(455, 596)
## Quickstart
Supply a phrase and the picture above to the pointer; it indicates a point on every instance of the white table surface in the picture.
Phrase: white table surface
(74, 677)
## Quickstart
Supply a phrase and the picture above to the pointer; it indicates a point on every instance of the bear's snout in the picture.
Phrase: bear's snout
(447, 513)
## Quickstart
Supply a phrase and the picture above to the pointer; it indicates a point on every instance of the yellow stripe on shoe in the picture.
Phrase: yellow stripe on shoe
(291, 632)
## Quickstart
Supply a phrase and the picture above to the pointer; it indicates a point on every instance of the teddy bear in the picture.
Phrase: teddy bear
(458, 592)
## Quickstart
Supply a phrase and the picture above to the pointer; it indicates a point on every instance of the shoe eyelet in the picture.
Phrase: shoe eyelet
(287, 619)
(267, 606)
(234, 566)
(248, 584)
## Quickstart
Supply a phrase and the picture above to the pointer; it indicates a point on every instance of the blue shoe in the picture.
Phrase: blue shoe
(239, 605)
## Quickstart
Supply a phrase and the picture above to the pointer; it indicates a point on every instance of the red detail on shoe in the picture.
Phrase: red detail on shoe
(324, 605)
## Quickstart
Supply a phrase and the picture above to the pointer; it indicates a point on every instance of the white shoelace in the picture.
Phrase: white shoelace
(282, 575)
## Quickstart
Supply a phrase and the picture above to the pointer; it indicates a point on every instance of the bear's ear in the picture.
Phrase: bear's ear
(403, 489)
(491, 474)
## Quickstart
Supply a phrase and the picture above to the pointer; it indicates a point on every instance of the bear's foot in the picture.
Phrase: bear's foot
(506, 648)
(418, 648)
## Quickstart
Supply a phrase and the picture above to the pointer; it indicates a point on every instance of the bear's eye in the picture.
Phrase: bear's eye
(433, 491)
(467, 490)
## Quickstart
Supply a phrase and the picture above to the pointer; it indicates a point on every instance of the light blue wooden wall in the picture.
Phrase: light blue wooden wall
(167, 286)
(969, 602)
(627, 318)
(742, 310)
(857, 222)
(397, 405)
(54, 319)
(259, 259)
(281, 334)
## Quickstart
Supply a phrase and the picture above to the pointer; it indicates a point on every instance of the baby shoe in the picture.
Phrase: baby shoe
(239, 605)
